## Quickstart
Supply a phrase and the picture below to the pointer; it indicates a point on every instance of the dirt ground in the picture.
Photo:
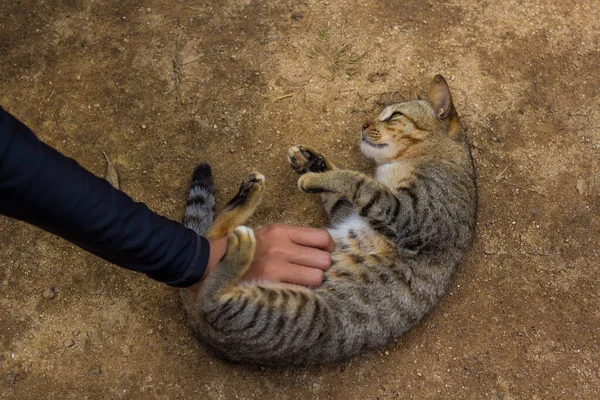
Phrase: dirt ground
(161, 85)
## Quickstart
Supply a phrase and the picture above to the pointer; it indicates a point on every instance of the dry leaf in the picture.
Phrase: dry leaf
(112, 176)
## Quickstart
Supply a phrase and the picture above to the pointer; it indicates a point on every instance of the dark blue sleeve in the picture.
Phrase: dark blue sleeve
(44, 188)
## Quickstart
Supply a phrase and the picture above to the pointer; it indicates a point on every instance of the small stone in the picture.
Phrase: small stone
(581, 186)
(387, 353)
(11, 377)
(88, 334)
(69, 343)
(150, 332)
(143, 126)
(49, 293)
(297, 16)
(78, 77)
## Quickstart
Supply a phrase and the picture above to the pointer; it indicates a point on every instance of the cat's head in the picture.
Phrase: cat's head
(400, 127)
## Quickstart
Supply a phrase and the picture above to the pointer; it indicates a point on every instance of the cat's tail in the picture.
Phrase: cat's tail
(200, 207)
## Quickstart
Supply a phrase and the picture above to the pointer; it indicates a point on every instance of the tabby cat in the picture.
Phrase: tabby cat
(398, 239)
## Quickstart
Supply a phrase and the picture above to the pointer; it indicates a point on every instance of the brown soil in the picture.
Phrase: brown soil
(161, 85)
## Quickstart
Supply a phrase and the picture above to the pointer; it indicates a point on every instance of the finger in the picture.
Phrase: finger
(300, 275)
(309, 257)
(312, 237)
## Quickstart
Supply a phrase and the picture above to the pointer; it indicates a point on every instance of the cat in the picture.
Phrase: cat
(399, 237)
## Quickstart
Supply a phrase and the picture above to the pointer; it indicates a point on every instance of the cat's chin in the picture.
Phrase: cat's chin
(373, 151)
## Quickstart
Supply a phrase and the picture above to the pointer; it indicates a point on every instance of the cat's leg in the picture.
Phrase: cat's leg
(236, 213)
(240, 208)
(240, 252)
(373, 201)
(304, 159)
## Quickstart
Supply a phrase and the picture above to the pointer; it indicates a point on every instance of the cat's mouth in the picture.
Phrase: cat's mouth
(373, 144)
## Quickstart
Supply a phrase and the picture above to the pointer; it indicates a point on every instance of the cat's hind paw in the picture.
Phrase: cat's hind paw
(241, 244)
(250, 192)
(304, 159)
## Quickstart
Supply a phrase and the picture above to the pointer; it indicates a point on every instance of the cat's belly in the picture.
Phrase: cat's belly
(354, 222)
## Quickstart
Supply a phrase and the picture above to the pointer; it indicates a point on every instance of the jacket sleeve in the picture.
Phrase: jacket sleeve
(40, 186)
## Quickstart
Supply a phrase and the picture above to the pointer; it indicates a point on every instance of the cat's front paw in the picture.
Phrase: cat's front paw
(240, 246)
(304, 159)
(311, 183)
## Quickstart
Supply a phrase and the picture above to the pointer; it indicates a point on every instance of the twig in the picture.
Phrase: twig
(572, 112)
(176, 66)
(501, 174)
(524, 188)
(451, 5)
(276, 99)
(192, 60)
(536, 253)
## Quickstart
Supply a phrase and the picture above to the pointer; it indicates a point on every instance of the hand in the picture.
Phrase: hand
(284, 253)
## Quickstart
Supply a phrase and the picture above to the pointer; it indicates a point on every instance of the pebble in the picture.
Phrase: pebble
(143, 126)
(581, 186)
(11, 378)
(69, 343)
(49, 293)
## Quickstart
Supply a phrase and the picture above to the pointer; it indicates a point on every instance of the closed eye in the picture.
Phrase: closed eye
(394, 115)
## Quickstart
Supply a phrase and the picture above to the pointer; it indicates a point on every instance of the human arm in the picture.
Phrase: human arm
(43, 187)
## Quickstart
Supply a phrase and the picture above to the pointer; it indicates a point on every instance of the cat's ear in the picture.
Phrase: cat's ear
(439, 96)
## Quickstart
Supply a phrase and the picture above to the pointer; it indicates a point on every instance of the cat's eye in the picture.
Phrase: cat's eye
(394, 115)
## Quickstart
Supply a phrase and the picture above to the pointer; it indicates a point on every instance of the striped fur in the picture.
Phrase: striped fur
(399, 236)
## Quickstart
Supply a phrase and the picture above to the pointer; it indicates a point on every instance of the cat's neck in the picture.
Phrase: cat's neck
(395, 174)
